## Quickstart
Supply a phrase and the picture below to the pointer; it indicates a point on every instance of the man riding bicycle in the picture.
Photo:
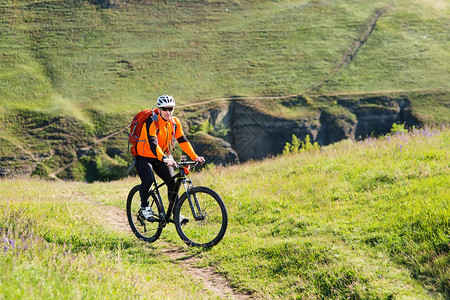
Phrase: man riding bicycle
(153, 152)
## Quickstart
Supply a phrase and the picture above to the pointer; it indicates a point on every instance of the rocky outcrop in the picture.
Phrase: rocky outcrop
(253, 134)
(215, 150)
(334, 128)
(238, 130)
(375, 115)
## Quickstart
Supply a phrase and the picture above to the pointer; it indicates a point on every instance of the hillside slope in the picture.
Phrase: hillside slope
(359, 220)
(93, 66)
(341, 221)
(74, 55)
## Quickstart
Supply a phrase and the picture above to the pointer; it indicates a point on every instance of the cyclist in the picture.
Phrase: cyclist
(153, 151)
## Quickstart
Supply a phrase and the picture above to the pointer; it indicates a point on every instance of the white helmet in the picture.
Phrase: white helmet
(165, 100)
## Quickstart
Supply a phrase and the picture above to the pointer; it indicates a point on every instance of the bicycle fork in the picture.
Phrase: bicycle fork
(193, 201)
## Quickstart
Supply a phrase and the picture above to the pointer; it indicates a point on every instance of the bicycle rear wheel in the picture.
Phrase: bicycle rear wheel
(148, 231)
(208, 218)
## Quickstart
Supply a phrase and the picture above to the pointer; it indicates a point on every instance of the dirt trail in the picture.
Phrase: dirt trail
(212, 281)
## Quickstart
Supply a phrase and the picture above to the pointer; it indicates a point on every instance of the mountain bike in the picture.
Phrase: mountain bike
(207, 217)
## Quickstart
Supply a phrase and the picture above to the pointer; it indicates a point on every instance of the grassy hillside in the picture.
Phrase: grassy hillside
(90, 69)
(71, 56)
(355, 220)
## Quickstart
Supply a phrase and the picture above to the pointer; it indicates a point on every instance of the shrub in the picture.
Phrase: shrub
(297, 146)
(398, 128)
(40, 171)
(205, 127)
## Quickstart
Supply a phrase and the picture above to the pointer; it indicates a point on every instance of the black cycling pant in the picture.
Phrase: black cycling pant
(145, 167)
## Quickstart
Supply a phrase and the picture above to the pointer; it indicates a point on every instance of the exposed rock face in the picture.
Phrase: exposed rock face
(215, 150)
(255, 135)
(335, 128)
(376, 115)
(246, 131)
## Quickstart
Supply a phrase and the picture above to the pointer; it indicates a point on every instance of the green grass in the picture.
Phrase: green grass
(360, 220)
(71, 56)
(56, 242)
(405, 51)
(352, 220)
(432, 108)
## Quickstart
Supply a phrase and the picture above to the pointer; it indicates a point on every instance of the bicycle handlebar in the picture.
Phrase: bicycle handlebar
(183, 164)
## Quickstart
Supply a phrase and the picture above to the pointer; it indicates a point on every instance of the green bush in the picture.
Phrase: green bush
(205, 127)
(40, 171)
(110, 169)
(398, 128)
(297, 146)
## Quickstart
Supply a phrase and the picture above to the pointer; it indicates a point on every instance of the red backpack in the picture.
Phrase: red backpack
(136, 127)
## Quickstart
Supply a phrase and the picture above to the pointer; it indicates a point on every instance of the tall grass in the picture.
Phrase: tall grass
(362, 219)
(56, 242)
(357, 220)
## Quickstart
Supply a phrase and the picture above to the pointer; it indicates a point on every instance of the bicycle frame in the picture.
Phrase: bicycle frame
(180, 178)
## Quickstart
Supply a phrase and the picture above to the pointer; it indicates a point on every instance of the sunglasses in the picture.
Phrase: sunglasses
(166, 108)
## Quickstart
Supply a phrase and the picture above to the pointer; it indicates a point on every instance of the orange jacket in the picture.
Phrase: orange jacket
(156, 144)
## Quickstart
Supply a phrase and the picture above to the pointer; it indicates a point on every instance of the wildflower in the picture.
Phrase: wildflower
(99, 275)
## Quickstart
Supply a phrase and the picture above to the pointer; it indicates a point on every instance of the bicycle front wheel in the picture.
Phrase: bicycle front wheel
(148, 231)
(207, 214)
